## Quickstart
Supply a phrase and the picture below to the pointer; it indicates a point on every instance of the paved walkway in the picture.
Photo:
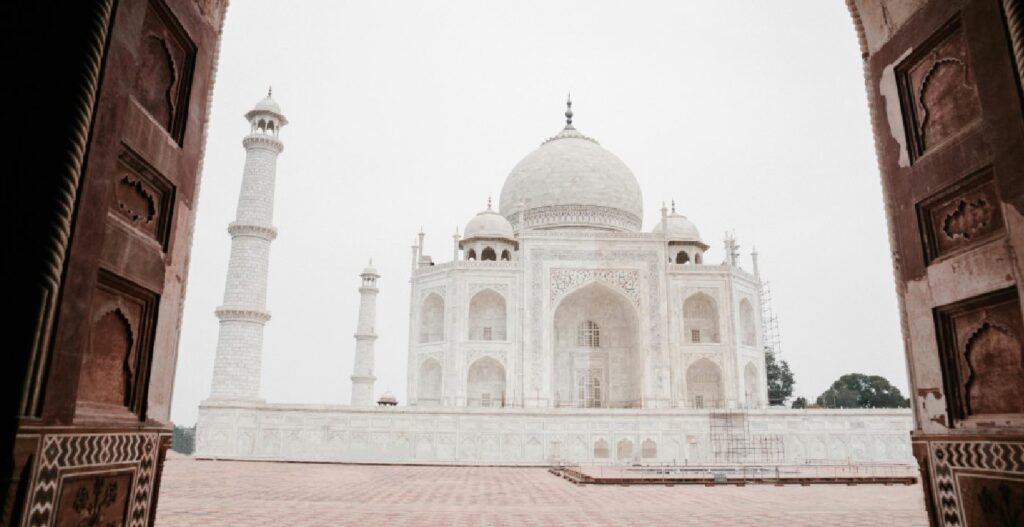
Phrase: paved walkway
(215, 493)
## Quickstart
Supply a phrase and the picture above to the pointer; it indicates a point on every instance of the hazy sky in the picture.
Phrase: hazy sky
(751, 115)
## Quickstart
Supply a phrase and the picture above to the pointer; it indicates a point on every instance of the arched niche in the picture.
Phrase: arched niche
(432, 319)
(752, 385)
(488, 255)
(506, 255)
(428, 387)
(648, 449)
(700, 319)
(601, 372)
(471, 254)
(748, 333)
(487, 316)
(704, 384)
(682, 257)
(485, 383)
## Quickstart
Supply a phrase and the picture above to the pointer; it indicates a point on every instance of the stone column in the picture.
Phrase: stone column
(362, 370)
(236, 369)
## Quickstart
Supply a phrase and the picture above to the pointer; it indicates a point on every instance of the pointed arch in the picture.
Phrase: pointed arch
(748, 332)
(488, 255)
(432, 319)
(485, 383)
(682, 257)
(752, 385)
(471, 254)
(487, 316)
(428, 386)
(704, 384)
(700, 319)
(506, 256)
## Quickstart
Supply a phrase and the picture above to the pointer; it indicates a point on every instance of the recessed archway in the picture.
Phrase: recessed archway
(428, 384)
(596, 350)
(485, 383)
(487, 316)
(704, 384)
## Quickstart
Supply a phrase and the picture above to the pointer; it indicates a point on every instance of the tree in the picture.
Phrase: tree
(856, 390)
(780, 379)
(183, 439)
(800, 402)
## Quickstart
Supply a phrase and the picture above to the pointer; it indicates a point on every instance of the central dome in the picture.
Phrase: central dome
(572, 182)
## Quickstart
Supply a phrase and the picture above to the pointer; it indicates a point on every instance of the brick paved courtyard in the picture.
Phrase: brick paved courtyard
(215, 493)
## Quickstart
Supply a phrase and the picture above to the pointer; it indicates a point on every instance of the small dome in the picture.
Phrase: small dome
(488, 224)
(680, 229)
(267, 105)
(387, 398)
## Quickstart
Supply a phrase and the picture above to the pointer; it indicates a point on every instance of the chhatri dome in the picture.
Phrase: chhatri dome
(680, 229)
(571, 181)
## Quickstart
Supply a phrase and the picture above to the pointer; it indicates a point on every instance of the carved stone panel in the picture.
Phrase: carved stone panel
(939, 95)
(982, 355)
(960, 216)
(91, 499)
(164, 70)
(116, 361)
(142, 197)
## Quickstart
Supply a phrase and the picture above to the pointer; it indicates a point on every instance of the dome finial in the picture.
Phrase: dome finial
(568, 110)
(270, 90)
(488, 203)
(673, 206)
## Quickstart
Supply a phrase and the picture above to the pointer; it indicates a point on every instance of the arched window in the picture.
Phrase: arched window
(682, 257)
(432, 319)
(698, 258)
(428, 386)
(471, 255)
(487, 316)
(588, 389)
(601, 449)
(505, 255)
(752, 383)
(485, 383)
(488, 255)
(262, 126)
(748, 335)
(704, 384)
(270, 127)
(588, 335)
(625, 449)
(648, 449)
(700, 319)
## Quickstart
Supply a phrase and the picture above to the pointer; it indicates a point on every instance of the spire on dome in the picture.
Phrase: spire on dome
(673, 206)
(568, 111)
(270, 91)
(488, 203)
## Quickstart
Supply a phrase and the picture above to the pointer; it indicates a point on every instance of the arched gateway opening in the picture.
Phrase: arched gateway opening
(596, 351)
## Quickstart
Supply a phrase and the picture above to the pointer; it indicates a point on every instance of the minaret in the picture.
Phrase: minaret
(362, 370)
(236, 368)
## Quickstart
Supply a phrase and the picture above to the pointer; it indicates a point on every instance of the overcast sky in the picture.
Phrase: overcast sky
(751, 115)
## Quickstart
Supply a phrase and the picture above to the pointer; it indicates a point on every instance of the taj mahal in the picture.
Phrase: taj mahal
(561, 299)
(559, 330)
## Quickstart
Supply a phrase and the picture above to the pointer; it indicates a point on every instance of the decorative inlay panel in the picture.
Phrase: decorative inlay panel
(960, 216)
(982, 355)
(978, 483)
(143, 197)
(938, 92)
(564, 281)
(164, 70)
(67, 490)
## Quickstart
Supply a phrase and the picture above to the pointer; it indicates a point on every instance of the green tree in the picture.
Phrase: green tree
(800, 402)
(780, 379)
(856, 390)
(183, 439)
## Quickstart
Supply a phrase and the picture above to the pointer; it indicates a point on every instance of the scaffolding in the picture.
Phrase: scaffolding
(770, 323)
(732, 442)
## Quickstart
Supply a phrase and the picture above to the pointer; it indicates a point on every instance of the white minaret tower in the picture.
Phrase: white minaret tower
(362, 370)
(236, 368)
